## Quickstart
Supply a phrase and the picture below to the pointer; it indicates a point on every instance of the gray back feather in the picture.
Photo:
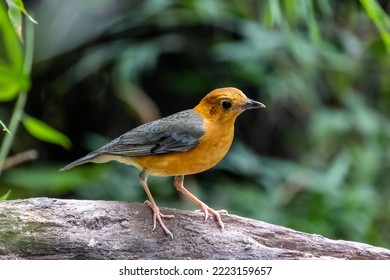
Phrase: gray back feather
(179, 132)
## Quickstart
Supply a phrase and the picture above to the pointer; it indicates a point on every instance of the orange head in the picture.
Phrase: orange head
(225, 104)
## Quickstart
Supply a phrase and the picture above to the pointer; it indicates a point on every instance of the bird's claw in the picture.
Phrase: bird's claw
(158, 216)
(217, 214)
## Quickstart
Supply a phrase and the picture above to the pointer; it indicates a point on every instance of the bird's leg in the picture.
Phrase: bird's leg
(157, 215)
(178, 183)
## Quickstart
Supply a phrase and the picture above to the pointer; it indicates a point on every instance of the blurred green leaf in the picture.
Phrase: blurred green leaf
(11, 83)
(275, 12)
(12, 78)
(15, 16)
(15, 10)
(335, 176)
(47, 179)
(19, 4)
(5, 128)
(4, 197)
(44, 132)
(380, 18)
(11, 43)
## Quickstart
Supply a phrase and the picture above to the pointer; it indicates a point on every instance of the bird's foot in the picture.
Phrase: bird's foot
(158, 216)
(217, 214)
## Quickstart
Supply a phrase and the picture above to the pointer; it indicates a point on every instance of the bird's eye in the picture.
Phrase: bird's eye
(226, 104)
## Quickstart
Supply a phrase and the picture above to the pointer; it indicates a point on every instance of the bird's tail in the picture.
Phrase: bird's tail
(88, 158)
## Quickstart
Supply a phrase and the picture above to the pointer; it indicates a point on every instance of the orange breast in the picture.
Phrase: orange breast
(212, 147)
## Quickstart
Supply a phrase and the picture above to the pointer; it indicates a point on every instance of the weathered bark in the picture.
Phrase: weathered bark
(44, 228)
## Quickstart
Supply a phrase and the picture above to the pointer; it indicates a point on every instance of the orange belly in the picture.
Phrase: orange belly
(212, 147)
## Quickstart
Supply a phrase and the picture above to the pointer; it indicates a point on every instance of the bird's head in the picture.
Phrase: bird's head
(225, 104)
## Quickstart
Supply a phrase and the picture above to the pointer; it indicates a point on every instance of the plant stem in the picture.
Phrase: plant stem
(22, 97)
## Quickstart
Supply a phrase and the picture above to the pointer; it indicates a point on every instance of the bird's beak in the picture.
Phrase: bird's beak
(253, 104)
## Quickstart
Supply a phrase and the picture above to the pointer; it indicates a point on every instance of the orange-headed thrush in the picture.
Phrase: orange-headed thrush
(184, 143)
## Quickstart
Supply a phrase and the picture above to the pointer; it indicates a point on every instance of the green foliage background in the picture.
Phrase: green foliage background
(316, 160)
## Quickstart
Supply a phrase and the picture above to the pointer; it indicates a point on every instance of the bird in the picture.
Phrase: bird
(184, 143)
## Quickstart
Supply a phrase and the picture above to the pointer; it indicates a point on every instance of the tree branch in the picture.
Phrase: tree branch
(45, 228)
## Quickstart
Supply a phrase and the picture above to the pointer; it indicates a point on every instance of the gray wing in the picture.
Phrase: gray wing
(179, 132)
